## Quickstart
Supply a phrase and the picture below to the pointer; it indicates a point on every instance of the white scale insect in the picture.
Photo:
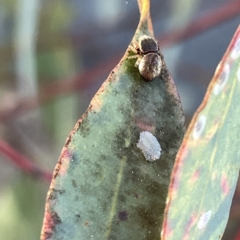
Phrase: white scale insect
(150, 146)
(149, 61)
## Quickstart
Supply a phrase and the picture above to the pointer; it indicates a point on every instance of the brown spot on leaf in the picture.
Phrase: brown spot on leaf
(198, 126)
(50, 221)
(146, 217)
(123, 216)
(225, 185)
(195, 176)
(77, 217)
(54, 193)
(191, 222)
(66, 153)
(58, 191)
(74, 183)
(122, 198)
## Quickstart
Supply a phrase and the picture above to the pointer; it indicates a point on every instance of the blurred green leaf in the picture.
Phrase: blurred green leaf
(21, 211)
(59, 64)
(103, 186)
(207, 166)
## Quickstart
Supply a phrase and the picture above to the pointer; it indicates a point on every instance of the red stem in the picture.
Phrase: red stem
(23, 162)
(237, 236)
(202, 24)
(51, 91)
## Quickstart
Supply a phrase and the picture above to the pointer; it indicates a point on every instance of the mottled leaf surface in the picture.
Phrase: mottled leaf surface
(207, 165)
(103, 187)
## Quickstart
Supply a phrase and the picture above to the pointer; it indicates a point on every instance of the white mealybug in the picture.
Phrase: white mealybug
(150, 146)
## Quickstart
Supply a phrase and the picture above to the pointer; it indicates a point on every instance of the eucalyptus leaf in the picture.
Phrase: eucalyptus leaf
(207, 166)
(109, 183)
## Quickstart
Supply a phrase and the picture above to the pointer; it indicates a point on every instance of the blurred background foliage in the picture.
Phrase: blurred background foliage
(54, 55)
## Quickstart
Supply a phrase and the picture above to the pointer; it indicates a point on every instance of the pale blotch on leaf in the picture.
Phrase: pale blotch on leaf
(199, 126)
(222, 80)
(204, 219)
(149, 145)
(236, 50)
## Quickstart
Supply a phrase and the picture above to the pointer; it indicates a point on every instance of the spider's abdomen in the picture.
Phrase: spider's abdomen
(150, 66)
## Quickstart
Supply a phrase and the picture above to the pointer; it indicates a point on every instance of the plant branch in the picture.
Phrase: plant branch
(23, 162)
(202, 24)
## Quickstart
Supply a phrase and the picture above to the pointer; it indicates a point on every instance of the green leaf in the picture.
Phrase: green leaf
(207, 165)
(103, 185)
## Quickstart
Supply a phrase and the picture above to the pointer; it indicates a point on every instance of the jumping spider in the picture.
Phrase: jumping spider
(149, 60)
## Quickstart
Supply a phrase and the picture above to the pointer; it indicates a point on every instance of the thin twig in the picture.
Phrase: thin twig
(202, 24)
(23, 162)
(51, 91)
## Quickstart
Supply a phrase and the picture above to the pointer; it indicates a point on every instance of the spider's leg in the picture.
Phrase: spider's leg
(160, 54)
(134, 56)
(138, 61)
(132, 48)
